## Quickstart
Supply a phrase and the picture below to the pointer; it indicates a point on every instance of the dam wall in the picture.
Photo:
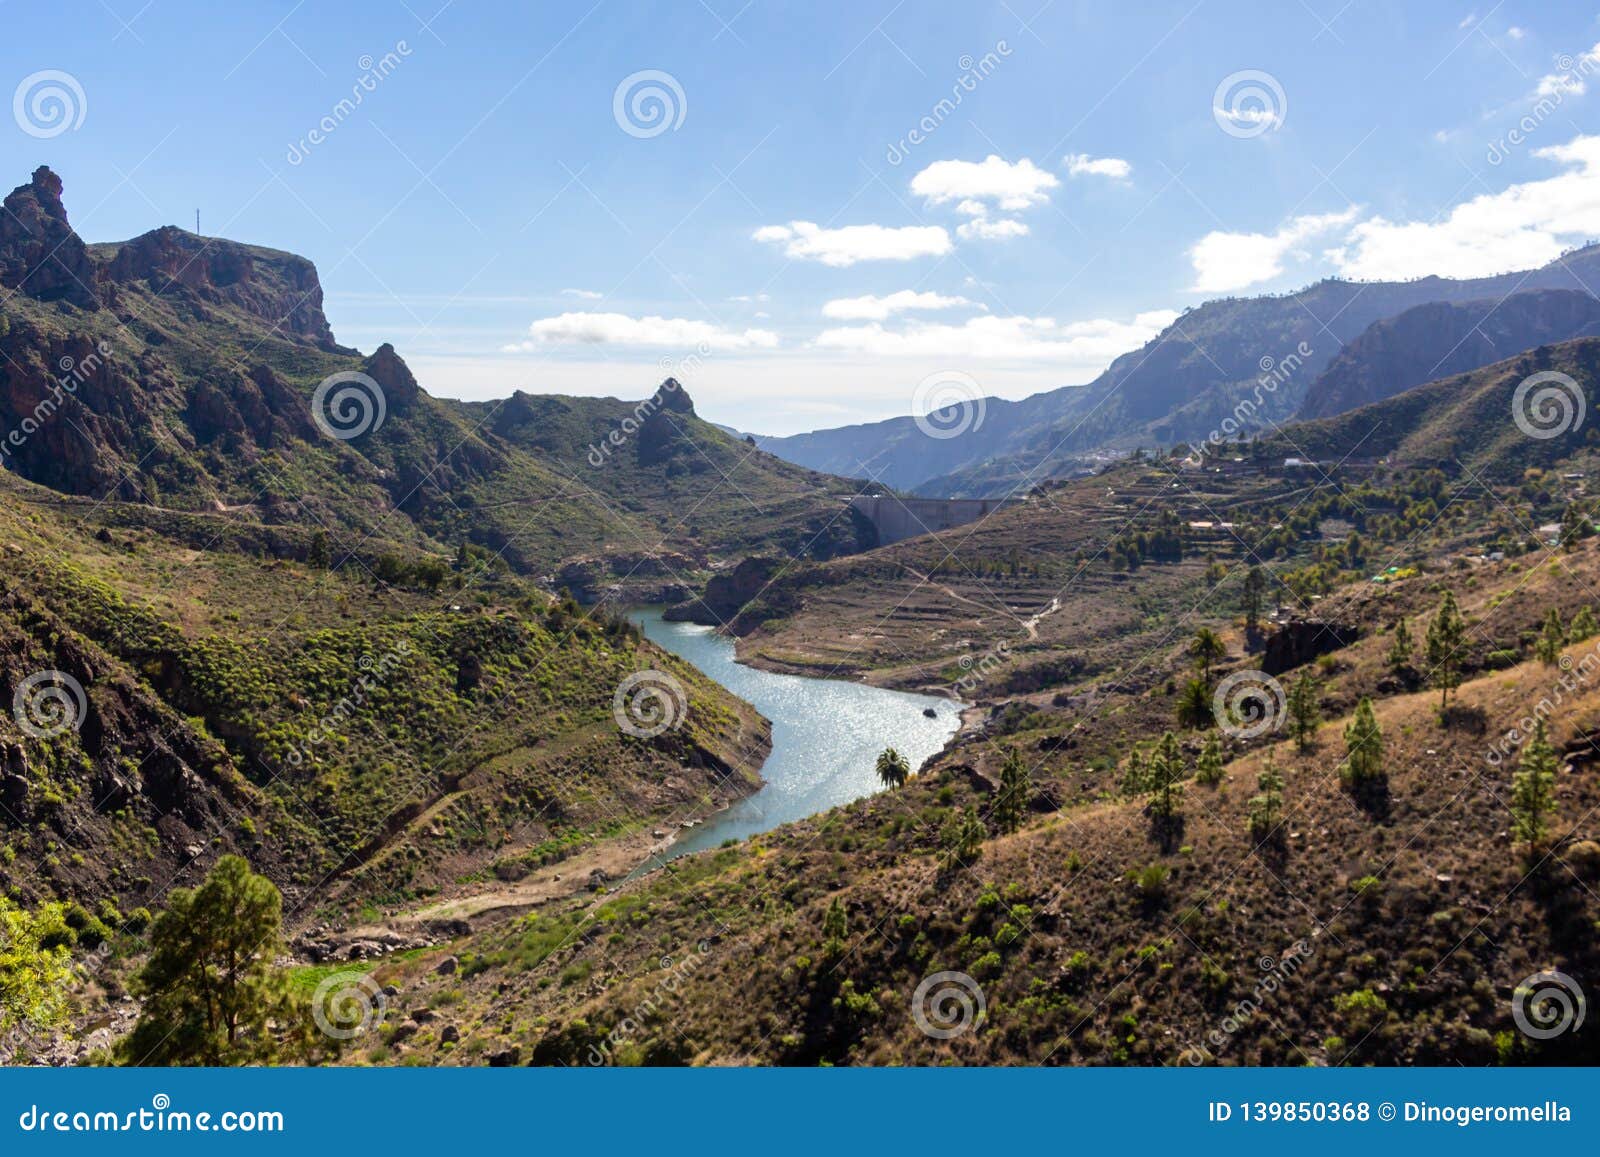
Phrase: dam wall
(898, 519)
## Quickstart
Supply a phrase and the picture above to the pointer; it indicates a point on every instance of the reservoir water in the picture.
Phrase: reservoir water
(826, 734)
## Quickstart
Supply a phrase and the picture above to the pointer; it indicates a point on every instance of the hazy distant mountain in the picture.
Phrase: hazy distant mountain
(1183, 384)
(1440, 339)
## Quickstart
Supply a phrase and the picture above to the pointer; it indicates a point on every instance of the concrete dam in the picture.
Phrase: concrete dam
(897, 519)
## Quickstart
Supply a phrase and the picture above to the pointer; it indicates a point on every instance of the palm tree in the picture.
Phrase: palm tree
(1206, 649)
(893, 770)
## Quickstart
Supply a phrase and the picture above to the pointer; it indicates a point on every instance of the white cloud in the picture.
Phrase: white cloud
(840, 248)
(1516, 33)
(1518, 228)
(870, 308)
(1570, 80)
(1008, 186)
(620, 329)
(585, 294)
(1083, 165)
(988, 230)
(1227, 261)
(1088, 344)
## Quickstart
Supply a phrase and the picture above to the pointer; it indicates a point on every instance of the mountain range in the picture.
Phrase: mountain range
(1241, 366)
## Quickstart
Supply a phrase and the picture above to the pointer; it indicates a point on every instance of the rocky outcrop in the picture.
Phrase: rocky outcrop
(278, 288)
(40, 255)
(1301, 640)
(727, 595)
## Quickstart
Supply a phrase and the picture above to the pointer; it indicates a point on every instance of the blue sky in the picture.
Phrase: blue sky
(779, 239)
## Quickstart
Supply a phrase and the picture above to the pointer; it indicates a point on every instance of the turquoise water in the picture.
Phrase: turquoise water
(826, 734)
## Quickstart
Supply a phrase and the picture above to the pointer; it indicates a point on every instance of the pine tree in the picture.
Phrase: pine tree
(835, 929)
(1264, 812)
(1135, 778)
(1304, 711)
(1576, 525)
(1011, 803)
(1551, 640)
(1208, 770)
(1363, 745)
(893, 770)
(961, 839)
(1446, 637)
(1168, 770)
(212, 993)
(319, 556)
(1583, 626)
(1400, 649)
(1255, 588)
(1533, 790)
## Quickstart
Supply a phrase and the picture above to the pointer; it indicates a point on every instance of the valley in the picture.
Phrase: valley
(565, 728)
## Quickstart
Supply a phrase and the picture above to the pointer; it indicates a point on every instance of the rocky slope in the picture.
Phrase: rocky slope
(1442, 339)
